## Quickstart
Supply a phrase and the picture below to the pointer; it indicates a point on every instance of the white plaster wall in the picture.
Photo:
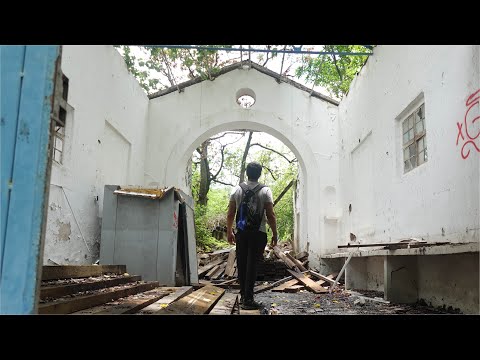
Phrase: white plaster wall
(178, 122)
(450, 280)
(443, 193)
(105, 144)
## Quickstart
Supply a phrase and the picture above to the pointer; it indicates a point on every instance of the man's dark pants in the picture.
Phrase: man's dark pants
(250, 247)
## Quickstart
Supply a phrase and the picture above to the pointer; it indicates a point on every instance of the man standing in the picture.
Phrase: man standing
(250, 201)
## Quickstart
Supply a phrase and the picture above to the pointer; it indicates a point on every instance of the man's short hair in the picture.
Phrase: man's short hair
(254, 170)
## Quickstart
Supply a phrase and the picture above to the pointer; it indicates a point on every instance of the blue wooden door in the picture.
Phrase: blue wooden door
(27, 86)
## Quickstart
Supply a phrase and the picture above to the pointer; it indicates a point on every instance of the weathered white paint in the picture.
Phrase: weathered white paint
(105, 143)
(179, 122)
(450, 280)
(437, 201)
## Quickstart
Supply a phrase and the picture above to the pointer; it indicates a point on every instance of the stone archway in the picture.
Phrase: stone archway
(187, 142)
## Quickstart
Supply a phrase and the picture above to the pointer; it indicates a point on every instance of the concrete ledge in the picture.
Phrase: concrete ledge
(424, 250)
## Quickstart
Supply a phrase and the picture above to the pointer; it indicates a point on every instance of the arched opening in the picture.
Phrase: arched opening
(218, 165)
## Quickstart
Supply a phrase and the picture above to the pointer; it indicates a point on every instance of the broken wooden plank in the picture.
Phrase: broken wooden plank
(296, 262)
(212, 271)
(264, 287)
(225, 305)
(301, 255)
(205, 269)
(178, 293)
(198, 302)
(283, 257)
(285, 285)
(53, 272)
(217, 274)
(294, 288)
(309, 283)
(71, 305)
(63, 290)
(229, 270)
(227, 282)
(127, 305)
(329, 278)
(416, 242)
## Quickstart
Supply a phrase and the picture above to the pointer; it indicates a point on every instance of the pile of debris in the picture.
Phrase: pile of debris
(280, 264)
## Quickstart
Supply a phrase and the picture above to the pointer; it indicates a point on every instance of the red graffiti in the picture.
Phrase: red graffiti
(473, 99)
(175, 220)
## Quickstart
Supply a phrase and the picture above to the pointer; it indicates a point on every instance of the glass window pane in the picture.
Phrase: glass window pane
(405, 154)
(57, 156)
(410, 134)
(413, 150)
(413, 160)
(420, 144)
(419, 127)
(422, 112)
(411, 121)
(407, 165)
(421, 157)
(58, 143)
(405, 138)
(405, 126)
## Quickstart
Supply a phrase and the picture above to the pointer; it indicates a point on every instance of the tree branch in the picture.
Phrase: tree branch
(275, 151)
(336, 66)
(221, 164)
(244, 157)
(283, 193)
(221, 182)
(228, 132)
(270, 171)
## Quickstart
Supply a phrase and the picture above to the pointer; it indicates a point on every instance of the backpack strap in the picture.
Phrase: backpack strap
(258, 188)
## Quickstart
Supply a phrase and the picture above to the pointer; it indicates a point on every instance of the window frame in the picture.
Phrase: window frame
(418, 136)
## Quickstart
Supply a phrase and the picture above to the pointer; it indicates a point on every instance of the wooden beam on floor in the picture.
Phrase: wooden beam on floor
(309, 283)
(50, 272)
(329, 278)
(205, 269)
(230, 269)
(296, 262)
(280, 254)
(285, 285)
(57, 291)
(226, 305)
(196, 303)
(176, 294)
(78, 303)
(294, 288)
(128, 305)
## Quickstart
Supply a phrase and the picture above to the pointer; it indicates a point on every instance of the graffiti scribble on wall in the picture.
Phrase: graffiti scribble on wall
(468, 131)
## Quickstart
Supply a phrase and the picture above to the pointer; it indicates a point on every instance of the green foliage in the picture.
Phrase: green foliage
(204, 224)
(335, 73)
(284, 209)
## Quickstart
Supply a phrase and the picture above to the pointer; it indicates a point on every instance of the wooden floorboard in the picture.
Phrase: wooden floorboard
(225, 305)
(63, 290)
(78, 303)
(50, 272)
(196, 303)
(176, 293)
(128, 305)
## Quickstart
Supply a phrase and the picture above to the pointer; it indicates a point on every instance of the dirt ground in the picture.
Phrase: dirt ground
(337, 303)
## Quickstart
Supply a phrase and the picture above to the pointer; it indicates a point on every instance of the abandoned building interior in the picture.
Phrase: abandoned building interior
(387, 196)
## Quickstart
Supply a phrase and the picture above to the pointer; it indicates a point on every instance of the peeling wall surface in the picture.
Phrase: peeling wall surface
(179, 122)
(104, 144)
(438, 200)
(450, 280)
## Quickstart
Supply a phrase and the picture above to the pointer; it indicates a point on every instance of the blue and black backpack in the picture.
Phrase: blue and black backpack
(249, 217)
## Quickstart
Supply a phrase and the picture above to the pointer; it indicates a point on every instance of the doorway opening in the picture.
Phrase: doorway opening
(218, 165)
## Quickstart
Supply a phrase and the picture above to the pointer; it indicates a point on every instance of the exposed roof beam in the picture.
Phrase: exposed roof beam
(296, 50)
